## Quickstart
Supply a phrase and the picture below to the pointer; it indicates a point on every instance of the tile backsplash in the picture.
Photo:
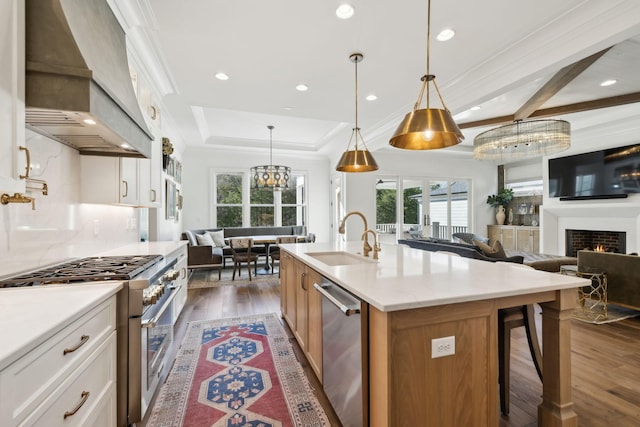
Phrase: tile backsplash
(60, 227)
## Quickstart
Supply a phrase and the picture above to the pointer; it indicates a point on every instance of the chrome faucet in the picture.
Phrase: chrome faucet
(376, 244)
(367, 247)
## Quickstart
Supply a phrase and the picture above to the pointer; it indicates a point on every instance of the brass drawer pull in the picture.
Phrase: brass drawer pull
(26, 152)
(85, 396)
(83, 340)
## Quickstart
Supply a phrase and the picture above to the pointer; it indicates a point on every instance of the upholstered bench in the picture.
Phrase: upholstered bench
(219, 246)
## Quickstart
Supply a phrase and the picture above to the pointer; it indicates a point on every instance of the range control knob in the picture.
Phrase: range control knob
(172, 275)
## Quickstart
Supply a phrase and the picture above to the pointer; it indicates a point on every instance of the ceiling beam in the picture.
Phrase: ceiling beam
(578, 107)
(556, 84)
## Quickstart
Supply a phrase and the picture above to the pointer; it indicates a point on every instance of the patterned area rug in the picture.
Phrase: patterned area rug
(237, 372)
(209, 278)
(615, 313)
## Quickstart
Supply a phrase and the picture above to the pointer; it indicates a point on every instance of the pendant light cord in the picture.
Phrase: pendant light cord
(428, 47)
(270, 144)
(427, 78)
(357, 129)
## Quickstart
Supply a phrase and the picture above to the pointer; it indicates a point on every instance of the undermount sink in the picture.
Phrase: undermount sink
(339, 258)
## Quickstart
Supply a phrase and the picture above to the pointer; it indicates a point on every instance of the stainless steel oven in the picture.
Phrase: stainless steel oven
(147, 339)
(154, 333)
(144, 318)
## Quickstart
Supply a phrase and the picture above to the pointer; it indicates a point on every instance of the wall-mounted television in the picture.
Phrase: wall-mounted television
(603, 174)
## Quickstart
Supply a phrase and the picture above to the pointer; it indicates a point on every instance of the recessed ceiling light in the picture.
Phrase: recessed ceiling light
(475, 108)
(222, 76)
(446, 34)
(89, 121)
(302, 87)
(288, 108)
(371, 97)
(608, 82)
(344, 11)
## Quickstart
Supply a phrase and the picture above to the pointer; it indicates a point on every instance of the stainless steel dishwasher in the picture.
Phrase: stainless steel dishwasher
(342, 355)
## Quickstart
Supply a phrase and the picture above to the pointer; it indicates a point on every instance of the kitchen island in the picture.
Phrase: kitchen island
(412, 297)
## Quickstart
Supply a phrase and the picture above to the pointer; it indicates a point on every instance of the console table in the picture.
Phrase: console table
(516, 237)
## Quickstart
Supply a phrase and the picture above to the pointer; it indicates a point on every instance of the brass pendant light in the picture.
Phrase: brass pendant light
(429, 128)
(356, 160)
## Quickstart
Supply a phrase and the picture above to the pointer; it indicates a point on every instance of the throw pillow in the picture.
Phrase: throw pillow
(204, 240)
(218, 238)
(494, 251)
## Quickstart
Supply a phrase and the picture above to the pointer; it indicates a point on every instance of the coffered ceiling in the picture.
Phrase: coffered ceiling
(503, 54)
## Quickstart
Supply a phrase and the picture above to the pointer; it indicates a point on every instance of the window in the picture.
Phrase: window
(293, 202)
(228, 197)
(237, 204)
(262, 207)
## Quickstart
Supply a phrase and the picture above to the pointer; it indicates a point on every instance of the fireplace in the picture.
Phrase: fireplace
(603, 241)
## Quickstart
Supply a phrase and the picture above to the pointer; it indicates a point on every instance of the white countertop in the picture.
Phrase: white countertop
(405, 278)
(29, 316)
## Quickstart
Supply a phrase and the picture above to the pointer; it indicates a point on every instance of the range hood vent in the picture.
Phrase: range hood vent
(78, 87)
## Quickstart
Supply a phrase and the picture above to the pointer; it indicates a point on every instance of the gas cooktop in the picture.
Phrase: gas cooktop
(85, 270)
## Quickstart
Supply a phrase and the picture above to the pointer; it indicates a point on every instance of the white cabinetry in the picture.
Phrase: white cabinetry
(111, 180)
(69, 379)
(150, 177)
(12, 130)
(122, 180)
(182, 282)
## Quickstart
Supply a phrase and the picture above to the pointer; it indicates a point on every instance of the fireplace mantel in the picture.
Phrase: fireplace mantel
(556, 218)
(582, 209)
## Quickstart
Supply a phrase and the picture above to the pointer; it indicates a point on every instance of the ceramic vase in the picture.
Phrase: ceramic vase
(500, 215)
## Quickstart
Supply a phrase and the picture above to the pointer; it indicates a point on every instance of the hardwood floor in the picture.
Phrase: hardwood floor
(605, 359)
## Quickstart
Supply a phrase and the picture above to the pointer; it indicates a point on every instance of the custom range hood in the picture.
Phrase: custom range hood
(77, 73)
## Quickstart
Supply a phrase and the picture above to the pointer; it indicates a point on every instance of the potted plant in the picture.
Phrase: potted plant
(167, 149)
(499, 201)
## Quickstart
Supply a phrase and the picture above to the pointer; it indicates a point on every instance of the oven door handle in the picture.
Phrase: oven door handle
(152, 323)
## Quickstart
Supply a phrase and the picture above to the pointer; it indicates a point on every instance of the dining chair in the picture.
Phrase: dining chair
(241, 252)
(508, 319)
(274, 251)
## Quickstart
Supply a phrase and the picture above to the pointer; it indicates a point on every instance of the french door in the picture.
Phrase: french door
(424, 207)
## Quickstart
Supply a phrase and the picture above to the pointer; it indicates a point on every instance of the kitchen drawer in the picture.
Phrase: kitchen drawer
(25, 383)
(95, 375)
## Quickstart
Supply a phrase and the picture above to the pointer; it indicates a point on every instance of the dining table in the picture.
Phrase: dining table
(267, 240)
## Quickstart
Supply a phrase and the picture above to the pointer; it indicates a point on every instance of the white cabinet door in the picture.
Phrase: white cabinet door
(12, 160)
(109, 180)
(129, 184)
(150, 176)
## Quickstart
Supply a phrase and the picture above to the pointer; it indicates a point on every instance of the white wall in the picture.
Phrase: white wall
(614, 215)
(201, 163)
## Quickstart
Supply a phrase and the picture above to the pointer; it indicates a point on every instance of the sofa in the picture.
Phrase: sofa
(462, 249)
(543, 262)
(623, 273)
(208, 256)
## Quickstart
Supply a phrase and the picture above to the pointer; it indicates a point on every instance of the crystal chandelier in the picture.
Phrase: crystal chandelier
(522, 139)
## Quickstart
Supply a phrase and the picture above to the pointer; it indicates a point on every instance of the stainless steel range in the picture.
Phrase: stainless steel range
(145, 318)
